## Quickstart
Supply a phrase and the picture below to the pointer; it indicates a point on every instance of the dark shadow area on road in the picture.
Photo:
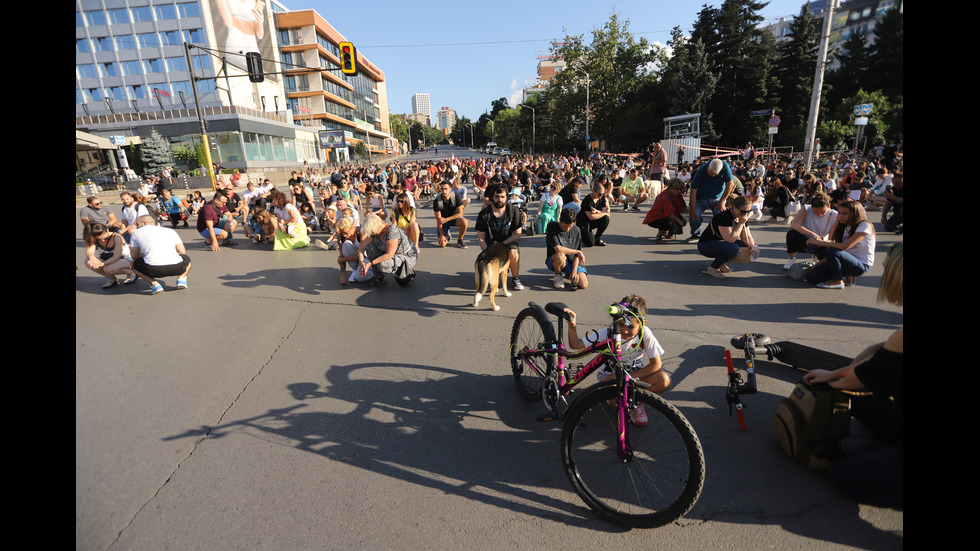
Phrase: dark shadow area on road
(424, 439)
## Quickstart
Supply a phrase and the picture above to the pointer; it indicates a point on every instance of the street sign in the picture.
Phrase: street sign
(863, 109)
(761, 113)
(774, 121)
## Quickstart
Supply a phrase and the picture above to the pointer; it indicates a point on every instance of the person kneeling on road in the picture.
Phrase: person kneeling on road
(158, 252)
(563, 240)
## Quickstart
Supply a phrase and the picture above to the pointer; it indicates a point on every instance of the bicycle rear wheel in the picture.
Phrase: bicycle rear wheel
(661, 478)
(532, 329)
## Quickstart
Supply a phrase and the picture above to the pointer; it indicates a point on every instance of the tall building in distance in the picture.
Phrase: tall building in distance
(421, 104)
(446, 120)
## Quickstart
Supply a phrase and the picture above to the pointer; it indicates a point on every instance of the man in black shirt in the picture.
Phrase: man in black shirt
(449, 213)
(594, 214)
(500, 222)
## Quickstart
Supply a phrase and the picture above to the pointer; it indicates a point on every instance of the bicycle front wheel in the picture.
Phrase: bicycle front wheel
(532, 329)
(663, 472)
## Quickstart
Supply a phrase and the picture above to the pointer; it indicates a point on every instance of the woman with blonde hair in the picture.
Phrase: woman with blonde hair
(874, 472)
(386, 250)
(849, 253)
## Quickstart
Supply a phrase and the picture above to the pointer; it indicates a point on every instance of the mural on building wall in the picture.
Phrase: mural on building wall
(242, 26)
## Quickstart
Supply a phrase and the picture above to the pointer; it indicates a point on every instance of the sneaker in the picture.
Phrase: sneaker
(517, 284)
(626, 207)
(639, 416)
(182, 283)
(559, 284)
(825, 286)
(156, 288)
(460, 244)
(715, 272)
(229, 243)
(789, 264)
(693, 239)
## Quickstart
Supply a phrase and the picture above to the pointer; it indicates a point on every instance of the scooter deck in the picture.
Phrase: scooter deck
(807, 357)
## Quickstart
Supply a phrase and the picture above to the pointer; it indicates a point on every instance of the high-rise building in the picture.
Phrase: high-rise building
(446, 119)
(420, 104)
(134, 74)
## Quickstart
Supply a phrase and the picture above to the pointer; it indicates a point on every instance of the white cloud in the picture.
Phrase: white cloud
(515, 94)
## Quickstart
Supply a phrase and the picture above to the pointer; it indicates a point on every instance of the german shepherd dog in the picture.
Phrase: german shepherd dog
(491, 266)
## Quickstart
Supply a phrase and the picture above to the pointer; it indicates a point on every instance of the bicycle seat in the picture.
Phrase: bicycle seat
(557, 309)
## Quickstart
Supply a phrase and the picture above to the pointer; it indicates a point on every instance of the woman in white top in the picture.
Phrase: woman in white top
(850, 251)
(815, 221)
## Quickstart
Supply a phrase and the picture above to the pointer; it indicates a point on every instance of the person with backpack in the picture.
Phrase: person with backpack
(875, 474)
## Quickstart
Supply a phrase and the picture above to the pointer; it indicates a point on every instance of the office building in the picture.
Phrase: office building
(420, 104)
(446, 120)
(133, 75)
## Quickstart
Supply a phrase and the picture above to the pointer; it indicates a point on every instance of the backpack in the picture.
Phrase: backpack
(811, 422)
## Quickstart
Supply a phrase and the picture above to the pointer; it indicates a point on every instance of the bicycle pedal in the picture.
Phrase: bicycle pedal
(546, 417)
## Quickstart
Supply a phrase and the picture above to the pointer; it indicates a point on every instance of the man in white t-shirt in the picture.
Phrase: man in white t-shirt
(131, 211)
(158, 252)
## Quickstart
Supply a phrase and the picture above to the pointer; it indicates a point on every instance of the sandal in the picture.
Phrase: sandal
(380, 280)
(111, 284)
(600, 243)
(131, 279)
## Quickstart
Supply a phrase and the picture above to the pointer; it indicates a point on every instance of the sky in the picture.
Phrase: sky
(466, 54)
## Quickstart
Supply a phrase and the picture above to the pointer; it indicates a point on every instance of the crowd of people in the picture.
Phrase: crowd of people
(369, 216)
(826, 207)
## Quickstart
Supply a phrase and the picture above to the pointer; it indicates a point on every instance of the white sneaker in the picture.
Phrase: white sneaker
(517, 284)
(559, 284)
(789, 264)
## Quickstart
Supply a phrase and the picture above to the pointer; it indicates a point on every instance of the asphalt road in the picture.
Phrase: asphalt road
(266, 407)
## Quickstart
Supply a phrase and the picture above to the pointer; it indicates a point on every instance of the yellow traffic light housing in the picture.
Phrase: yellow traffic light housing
(348, 58)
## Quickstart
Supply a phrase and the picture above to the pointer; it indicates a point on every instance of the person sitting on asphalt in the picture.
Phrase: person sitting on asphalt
(564, 256)
(214, 223)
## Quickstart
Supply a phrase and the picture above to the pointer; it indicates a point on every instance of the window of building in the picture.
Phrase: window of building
(131, 67)
(119, 15)
(148, 40)
(201, 62)
(118, 92)
(86, 71)
(176, 63)
(83, 46)
(103, 44)
(136, 91)
(141, 13)
(188, 10)
(170, 38)
(95, 17)
(194, 36)
(95, 94)
(165, 11)
(109, 70)
(125, 42)
(152, 65)
(159, 89)
(185, 87)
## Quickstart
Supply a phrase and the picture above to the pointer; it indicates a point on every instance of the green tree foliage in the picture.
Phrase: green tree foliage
(794, 70)
(740, 54)
(853, 62)
(614, 67)
(156, 153)
(887, 55)
(686, 81)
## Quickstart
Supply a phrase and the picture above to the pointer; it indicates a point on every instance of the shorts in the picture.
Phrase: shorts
(568, 267)
(155, 272)
(446, 226)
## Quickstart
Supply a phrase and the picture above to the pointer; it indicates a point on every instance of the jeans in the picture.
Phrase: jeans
(722, 251)
(700, 206)
(839, 264)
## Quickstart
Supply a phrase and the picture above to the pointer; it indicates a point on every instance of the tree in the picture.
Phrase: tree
(156, 153)
(887, 55)
(613, 68)
(853, 63)
(739, 53)
(686, 82)
(794, 68)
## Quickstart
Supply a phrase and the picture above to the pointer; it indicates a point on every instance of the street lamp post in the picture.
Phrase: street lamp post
(471, 134)
(588, 146)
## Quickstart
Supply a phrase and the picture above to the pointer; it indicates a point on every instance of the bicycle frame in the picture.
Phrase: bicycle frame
(557, 385)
